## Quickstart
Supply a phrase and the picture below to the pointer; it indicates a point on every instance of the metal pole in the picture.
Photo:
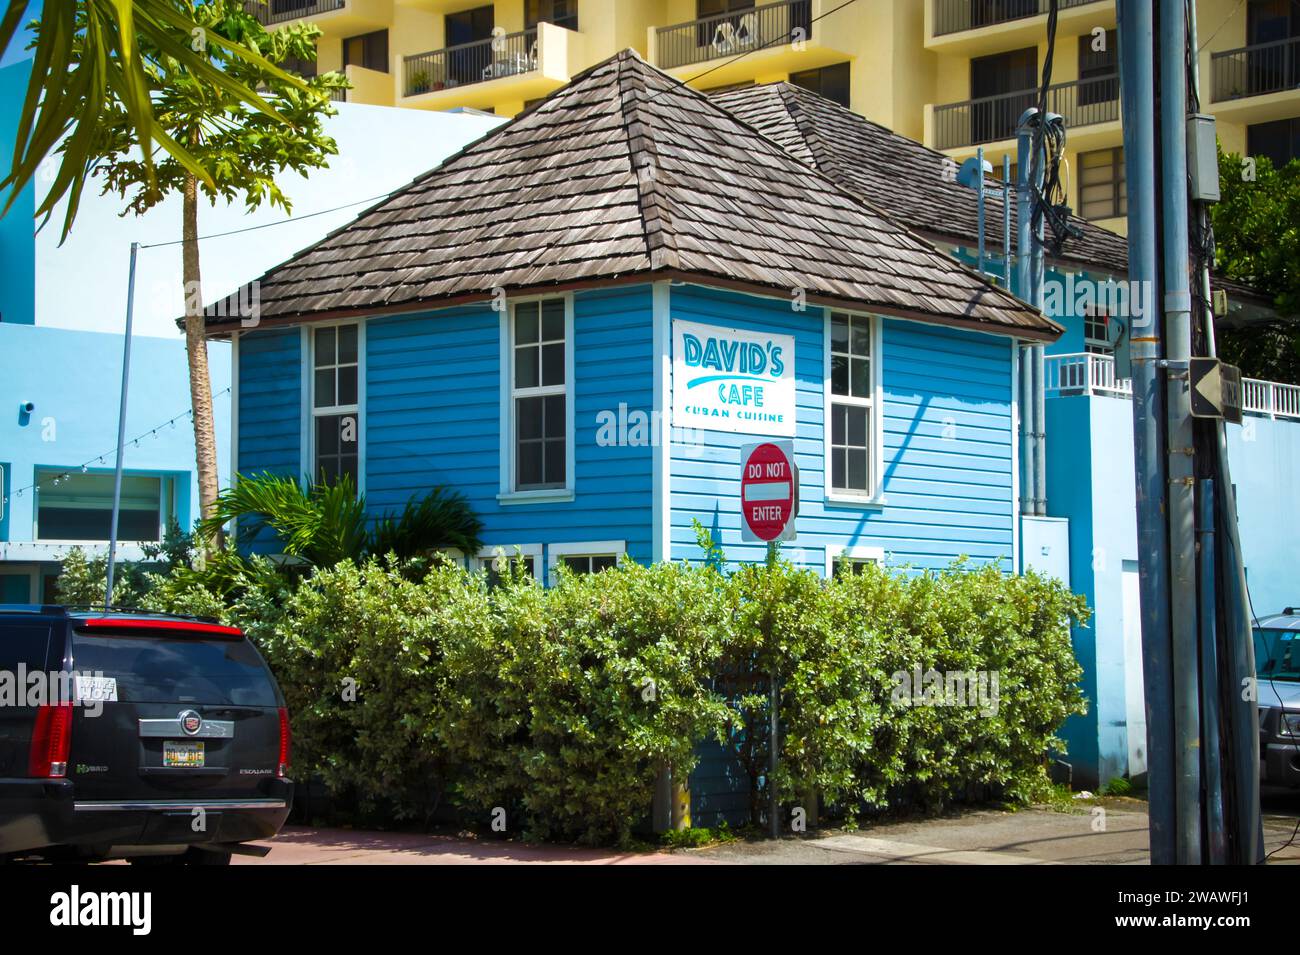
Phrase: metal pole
(1213, 770)
(1037, 352)
(979, 193)
(1182, 496)
(774, 706)
(121, 428)
(1137, 91)
(1024, 288)
(1006, 221)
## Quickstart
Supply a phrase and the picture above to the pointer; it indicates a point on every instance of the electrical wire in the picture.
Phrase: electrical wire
(268, 225)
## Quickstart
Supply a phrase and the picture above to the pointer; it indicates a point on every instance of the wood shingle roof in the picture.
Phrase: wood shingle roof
(903, 178)
(627, 174)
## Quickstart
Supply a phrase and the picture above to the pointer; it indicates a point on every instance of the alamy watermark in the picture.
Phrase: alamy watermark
(23, 687)
(977, 689)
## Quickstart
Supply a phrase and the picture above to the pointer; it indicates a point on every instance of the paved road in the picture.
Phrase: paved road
(1113, 833)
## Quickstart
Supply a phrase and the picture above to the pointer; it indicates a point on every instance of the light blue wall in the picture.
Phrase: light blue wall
(17, 250)
(1090, 481)
(948, 445)
(1264, 457)
(73, 378)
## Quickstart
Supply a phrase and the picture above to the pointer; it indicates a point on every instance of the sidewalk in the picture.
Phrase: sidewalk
(1114, 832)
(1111, 833)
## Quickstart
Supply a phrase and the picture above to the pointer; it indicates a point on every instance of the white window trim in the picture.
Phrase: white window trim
(853, 552)
(507, 493)
(309, 399)
(615, 549)
(494, 551)
(874, 498)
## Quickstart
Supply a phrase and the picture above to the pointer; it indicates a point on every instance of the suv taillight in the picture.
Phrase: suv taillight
(51, 740)
(285, 740)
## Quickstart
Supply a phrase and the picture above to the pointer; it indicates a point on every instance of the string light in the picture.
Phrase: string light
(135, 442)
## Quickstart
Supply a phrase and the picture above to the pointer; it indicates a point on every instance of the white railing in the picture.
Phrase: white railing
(1084, 374)
(1088, 374)
(1271, 398)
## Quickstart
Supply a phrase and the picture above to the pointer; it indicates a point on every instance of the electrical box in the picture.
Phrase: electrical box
(1045, 546)
(1202, 158)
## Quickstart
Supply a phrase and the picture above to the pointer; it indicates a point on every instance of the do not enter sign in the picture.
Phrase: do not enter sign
(769, 491)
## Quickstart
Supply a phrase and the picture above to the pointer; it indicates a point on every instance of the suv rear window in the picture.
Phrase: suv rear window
(25, 645)
(164, 669)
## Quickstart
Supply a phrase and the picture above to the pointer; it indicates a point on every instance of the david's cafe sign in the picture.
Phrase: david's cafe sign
(727, 379)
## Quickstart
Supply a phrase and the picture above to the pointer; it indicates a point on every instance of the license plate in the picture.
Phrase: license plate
(182, 754)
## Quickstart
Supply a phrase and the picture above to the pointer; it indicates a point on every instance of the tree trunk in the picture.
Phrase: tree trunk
(196, 349)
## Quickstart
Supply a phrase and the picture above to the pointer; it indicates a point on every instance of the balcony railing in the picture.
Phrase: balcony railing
(1087, 374)
(1084, 374)
(271, 12)
(987, 120)
(727, 34)
(954, 16)
(477, 62)
(1254, 70)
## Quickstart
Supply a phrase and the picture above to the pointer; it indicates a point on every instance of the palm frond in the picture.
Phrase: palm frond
(68, 93)
(441, 519)
(322, 523)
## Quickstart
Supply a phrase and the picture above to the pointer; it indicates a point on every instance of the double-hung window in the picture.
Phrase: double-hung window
(539, 395)
(336, 418)
(850, 405)
(1096, 337)
(587, 557)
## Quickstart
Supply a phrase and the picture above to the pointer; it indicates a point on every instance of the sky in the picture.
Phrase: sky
(83, 283)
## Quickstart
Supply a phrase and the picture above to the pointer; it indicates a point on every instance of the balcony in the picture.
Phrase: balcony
(980, 27)
(993, 118)
(477, 62)
(954, 16)
(337, 18)
(1258, 83)
(727, 34)
(512, 67)
(275, 12)
(742, 43)
(1094, 375)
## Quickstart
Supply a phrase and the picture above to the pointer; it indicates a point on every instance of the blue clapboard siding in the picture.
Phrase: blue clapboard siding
(948, 445)
(270, 400)
(270, 409)
(432, 417)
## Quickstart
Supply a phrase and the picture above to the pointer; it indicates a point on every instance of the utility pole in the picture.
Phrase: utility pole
(1197, 655)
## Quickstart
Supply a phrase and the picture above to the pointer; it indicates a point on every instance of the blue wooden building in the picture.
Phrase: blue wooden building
(579, 319)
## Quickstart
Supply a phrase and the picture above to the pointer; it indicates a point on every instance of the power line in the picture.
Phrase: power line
(101, 459)
(268, 225)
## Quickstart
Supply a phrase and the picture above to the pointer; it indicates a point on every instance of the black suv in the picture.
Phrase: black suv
(160, 739)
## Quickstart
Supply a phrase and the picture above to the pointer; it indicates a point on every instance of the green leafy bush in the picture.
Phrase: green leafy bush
(412, 685)
(567, 708)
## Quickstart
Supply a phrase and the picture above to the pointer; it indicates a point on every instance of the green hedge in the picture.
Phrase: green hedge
(559, 707)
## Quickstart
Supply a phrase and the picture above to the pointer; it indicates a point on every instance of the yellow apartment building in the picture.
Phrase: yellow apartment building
(955, 74)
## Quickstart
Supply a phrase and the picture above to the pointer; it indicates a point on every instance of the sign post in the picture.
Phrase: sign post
(769, 503)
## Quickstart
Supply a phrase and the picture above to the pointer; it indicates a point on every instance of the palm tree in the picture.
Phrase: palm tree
(324, 524)
(240, 152)
(68, 96)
